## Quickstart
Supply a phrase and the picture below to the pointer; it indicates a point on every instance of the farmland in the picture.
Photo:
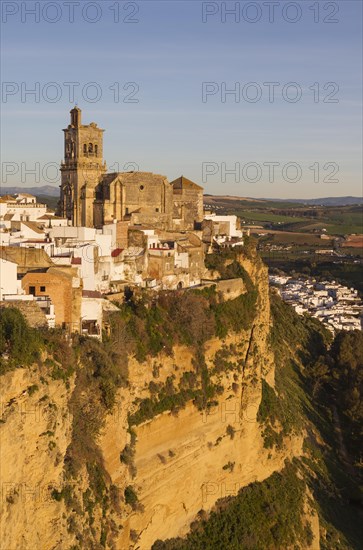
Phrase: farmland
(316, 240)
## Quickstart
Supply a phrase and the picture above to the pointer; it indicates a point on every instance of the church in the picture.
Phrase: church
(91, 197)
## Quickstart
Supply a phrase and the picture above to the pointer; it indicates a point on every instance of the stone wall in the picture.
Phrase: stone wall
(230, 288)
(58, 286)
(31, 311)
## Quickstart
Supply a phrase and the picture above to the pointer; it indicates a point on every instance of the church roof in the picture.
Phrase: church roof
(183, 183)
(136, 177)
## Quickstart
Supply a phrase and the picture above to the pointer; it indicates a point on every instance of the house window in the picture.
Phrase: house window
(156, 209)
(42, 289)
(32, 290)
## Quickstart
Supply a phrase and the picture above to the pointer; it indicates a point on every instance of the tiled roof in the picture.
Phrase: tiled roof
(182, 183)
(33, 226)
(116, 252)
(136, 177)
(91, 294)
(8, 198)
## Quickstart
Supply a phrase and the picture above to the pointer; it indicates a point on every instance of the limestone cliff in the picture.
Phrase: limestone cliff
(137, 481)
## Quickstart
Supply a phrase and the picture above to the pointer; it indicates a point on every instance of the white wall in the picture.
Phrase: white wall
(70, 232)
(232, 220)
(8, 278)
(33, 212)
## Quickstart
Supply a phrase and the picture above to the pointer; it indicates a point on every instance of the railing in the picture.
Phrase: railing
(26, 205)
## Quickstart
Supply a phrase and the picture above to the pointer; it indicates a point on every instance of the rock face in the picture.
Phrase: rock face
(36, 430)
(181, 464)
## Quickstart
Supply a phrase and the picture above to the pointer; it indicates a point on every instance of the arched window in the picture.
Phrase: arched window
(96, 150)
(90, 148)
(85, 149)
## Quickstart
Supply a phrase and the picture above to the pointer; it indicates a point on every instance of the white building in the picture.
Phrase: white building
(9, 284)
(225, 225)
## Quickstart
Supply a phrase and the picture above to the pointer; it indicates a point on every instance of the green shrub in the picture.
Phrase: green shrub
(19, 343)
(131, 497)
(263, 515)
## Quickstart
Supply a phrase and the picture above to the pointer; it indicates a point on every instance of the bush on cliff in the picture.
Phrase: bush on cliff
(19, 343)
(262, 515)
(154, 324)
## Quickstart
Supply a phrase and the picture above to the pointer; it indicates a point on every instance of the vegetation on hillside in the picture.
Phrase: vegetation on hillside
(262, 515)
(97, 371)
(19, 343)
(318, 393)
(155, 323)
(319, 382)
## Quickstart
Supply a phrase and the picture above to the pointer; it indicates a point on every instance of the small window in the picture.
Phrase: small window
(156, 209)
(42, 289)
(85, 148)
(141, 187)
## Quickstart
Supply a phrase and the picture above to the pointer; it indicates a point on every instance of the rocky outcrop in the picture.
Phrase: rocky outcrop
(181, 463)
(35, 431)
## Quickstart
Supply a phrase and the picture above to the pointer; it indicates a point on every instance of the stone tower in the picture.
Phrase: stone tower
(82, 169)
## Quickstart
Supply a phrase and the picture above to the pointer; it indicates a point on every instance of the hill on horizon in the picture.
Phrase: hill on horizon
(323, 201)
(47, 190)
(51, 191)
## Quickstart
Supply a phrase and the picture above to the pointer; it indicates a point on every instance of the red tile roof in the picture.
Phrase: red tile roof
(91, 294)
(116, 252)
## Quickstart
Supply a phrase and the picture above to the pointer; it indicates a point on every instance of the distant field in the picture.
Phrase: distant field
(338, 220)
(267, 217)
(354, 251)
(300, 239)
(354, 242)
(293, 237)
(237, 203)
(343, 229)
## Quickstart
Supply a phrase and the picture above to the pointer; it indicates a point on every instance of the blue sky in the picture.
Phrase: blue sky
(169, 52)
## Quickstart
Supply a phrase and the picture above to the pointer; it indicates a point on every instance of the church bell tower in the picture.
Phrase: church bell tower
(81, 170)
